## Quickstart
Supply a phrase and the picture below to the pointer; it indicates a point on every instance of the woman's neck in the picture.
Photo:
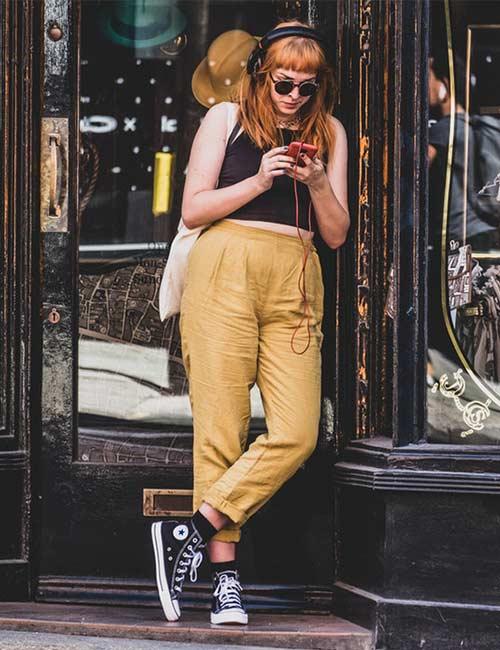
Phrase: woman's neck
(291, 123)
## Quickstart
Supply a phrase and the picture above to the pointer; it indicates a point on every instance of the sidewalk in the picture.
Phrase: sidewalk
(43, 641)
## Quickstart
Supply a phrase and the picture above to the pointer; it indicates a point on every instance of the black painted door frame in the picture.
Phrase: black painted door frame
(19, 299)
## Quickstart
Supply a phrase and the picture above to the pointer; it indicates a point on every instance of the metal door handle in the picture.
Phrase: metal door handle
(54, 175)
(54, 208)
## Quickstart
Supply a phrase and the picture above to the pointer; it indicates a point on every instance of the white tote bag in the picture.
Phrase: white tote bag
(174, 274)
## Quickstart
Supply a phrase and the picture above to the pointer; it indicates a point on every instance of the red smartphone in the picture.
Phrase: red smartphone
(294, 148)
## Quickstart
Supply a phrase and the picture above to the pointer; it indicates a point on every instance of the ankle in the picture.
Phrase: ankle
(215, 517)
(218, 567)
(205, 528)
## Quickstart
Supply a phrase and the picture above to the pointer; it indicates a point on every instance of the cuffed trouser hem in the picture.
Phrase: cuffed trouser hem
(227, 535)
(220, 503)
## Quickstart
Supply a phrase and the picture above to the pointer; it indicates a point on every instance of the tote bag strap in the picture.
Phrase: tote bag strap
(232, 124)
(232, 137)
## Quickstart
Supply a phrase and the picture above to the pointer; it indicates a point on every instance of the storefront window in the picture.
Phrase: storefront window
(138, 67)
(145, 84)
(132, 97)
(463, 370)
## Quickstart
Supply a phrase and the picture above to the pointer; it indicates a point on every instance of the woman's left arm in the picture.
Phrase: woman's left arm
(328, 188)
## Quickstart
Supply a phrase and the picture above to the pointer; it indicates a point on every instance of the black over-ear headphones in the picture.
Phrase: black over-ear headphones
(256, 58)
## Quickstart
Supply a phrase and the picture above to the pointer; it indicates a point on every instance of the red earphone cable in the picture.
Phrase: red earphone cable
(306, 249)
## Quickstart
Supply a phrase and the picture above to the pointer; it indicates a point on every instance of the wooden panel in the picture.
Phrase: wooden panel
(409, 26)
(382, 53)
(18, 272)
(5, 160)
(113, 447)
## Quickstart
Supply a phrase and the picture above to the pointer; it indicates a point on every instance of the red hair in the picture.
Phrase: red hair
(256, 113)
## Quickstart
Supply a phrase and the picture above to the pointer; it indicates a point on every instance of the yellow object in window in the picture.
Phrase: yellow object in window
(163, 183)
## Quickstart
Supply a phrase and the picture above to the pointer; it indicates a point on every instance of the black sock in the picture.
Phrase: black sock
(203, 526)
(231, 565)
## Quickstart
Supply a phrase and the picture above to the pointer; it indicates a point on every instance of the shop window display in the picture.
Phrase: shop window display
(145, 80)
(463, 370)
(138, 78)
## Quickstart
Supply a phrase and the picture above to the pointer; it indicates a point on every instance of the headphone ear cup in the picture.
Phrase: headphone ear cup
(250, 63)
(259, 60)
(254, 62)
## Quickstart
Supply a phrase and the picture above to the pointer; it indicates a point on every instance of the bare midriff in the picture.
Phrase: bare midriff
(277, 227)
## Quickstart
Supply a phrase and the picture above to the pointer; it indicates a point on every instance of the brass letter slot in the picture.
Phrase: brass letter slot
(163, 503)
(54, 175)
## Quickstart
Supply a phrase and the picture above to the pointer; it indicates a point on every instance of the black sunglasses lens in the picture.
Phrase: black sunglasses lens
(307, 89)
(283, 87)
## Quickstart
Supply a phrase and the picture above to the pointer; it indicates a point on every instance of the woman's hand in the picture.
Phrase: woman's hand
(274, 162)
(312, 174)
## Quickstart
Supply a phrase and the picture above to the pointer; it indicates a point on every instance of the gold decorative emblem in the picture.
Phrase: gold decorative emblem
(474, 412)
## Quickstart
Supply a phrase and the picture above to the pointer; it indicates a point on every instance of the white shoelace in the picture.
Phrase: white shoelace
(197, 560)
(193, 561)
(228, 591)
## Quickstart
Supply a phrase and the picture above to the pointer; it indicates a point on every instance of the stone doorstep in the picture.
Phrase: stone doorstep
(307, 632)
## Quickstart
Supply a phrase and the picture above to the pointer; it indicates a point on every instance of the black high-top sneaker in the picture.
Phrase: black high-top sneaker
(226, 602)
(177, 548)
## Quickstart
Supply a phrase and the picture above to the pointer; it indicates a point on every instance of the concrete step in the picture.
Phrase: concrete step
(311, 632)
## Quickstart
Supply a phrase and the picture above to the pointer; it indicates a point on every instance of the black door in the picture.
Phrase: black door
(118, 118)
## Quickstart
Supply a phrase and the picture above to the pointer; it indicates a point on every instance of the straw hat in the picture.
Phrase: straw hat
(219, 72)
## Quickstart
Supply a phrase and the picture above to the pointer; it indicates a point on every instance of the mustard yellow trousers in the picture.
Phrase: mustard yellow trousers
(240, 306)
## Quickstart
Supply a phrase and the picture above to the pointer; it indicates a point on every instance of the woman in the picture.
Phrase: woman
(248, 288)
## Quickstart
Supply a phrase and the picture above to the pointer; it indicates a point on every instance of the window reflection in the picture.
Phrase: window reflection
(464, 219)
(138, 115)
(128, 119)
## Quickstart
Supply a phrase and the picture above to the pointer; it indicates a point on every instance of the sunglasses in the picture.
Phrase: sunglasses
(284, 86)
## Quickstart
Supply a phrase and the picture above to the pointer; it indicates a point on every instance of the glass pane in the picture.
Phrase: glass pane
(138, 116)
(463, 373)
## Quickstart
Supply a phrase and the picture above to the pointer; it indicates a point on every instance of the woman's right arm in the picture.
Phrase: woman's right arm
(202, 203)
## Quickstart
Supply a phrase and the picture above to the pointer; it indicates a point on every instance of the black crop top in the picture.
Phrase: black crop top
(277, 204)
